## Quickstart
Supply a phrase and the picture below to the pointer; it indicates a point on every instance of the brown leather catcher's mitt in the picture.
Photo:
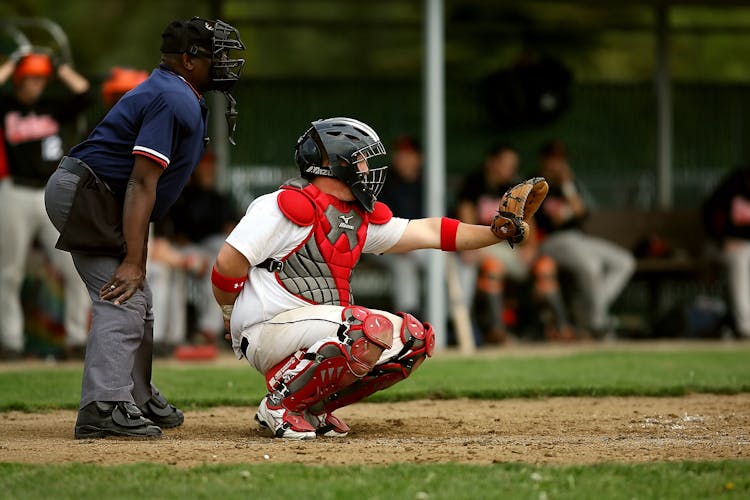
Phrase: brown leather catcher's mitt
(517, 206)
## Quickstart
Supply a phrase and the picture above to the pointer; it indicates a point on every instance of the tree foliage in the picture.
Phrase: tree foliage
(610, 41)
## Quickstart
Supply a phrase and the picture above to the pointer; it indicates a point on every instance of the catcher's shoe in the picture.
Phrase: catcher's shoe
(103, 418)
(284, 423)
(163, 414)
(327, 424)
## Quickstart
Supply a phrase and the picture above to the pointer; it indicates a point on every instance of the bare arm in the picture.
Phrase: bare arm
(140, 197)
(6, 69)
(76, 82)
(233, 264)
(425, 233)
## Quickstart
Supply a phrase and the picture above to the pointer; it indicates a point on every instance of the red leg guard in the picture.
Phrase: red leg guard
(307, 378)
(419, 342)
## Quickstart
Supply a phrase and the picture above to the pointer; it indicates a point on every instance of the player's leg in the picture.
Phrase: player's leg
(160, 277)
(16, 234)
(569, 250)
(619, 265)
(488, 300)
(418, 342)
(210, 321)
(77, 302)
(331, 347)
(737, 260)
(549, 299)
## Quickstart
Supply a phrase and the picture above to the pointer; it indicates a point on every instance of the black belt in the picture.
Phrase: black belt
(272, 265)
(73, 165)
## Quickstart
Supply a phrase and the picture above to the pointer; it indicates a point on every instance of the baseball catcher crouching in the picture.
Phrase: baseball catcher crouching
(283, 276)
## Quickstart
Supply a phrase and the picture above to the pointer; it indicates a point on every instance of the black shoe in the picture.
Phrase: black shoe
(161, 412)
(104, 418)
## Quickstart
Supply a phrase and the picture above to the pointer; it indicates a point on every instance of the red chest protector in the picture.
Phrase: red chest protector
(319, 270)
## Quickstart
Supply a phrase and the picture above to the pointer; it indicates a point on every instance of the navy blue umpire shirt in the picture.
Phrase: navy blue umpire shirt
(164, 119)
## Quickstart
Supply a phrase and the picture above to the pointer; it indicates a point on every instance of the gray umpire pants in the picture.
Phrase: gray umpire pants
(119, 349)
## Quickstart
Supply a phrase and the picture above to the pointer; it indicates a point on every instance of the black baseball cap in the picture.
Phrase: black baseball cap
(180, 35)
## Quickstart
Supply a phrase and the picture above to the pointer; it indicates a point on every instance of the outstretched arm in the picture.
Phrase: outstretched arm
(511, 223)
(433, 232)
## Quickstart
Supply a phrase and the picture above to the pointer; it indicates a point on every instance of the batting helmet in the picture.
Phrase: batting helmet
(34, 64)
(333, 147)
(120, 81)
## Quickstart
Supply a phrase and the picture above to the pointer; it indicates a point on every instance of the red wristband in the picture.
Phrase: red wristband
(448, 231)
(227, 284)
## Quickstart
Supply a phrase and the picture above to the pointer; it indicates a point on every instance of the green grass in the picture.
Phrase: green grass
(588, 374)
(729, 479)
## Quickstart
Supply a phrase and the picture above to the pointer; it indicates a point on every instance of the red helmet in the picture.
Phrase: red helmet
(121, 80)
(32, 65)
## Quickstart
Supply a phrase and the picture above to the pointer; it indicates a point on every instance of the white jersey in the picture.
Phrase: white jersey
(265, 232)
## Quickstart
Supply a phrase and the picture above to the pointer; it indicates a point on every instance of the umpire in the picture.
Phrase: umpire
(102, 197)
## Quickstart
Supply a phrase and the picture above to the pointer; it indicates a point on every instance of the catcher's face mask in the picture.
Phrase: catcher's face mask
(225, 71)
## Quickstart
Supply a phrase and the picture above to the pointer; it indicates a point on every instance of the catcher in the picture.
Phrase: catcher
(283, 276)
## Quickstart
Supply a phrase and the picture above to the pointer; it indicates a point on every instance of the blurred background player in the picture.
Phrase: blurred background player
(490, 271)
(403, 193)
(726, 214)
(32, 129)
(119, 81)
(601, 268)
(184, 245)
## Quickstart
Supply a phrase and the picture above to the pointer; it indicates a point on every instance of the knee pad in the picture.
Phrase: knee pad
(307, 377)
(419, 343)
(418, 338)
(368, 335)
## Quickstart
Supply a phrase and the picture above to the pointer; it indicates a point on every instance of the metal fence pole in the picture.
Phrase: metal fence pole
(663, 111)
(434, 133)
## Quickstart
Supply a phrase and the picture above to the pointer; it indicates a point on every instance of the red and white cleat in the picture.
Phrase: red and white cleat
(284, 423)
(327, 424)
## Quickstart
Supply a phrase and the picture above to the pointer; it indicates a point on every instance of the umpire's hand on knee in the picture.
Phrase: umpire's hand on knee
(127, 280)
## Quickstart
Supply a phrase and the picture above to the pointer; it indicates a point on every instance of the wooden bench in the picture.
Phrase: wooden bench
(681, 238)
(680, 230)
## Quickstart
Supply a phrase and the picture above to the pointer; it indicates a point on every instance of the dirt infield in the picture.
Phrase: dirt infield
(552, 431)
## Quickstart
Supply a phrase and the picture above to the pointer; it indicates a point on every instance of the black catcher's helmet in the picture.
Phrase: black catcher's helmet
(333, 147)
